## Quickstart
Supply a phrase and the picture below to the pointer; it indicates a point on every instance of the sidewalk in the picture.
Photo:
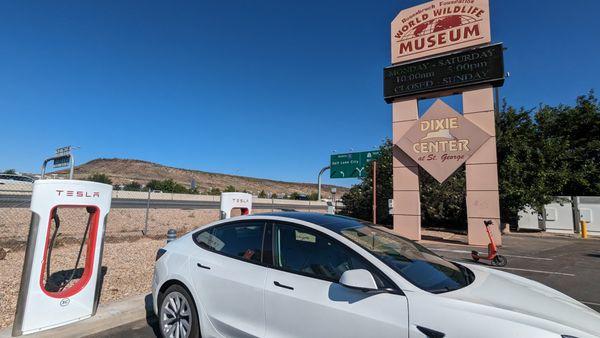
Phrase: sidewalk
(108, 316)
(429, 236)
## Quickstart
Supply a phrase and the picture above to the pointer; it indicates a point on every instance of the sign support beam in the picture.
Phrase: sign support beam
(374, 192)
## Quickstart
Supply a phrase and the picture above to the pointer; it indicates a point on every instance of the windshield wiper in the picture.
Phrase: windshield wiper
(466, 273)
(441, 290)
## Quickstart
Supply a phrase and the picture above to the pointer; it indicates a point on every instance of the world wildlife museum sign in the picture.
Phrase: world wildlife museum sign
(439, 26)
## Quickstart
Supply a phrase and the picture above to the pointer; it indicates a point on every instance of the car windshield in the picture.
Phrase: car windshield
(412, 261)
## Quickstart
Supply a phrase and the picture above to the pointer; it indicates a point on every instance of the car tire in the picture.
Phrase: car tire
(177, 312)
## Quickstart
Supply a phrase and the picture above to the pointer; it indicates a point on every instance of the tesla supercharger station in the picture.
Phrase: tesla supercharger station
(235, 200)
(50, 298)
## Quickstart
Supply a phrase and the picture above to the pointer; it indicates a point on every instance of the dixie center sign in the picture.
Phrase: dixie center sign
(442, 140)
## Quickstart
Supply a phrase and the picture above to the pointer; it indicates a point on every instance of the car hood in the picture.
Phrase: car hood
(528, 298)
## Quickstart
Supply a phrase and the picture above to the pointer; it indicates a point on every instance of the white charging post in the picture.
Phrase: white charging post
(235, 200)
(49, 297)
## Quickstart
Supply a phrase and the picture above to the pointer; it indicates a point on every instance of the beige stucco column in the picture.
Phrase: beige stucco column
(407, 203)
(482, 168)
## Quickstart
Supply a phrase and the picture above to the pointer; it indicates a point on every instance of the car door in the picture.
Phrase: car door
(229, 278)
(304, 299)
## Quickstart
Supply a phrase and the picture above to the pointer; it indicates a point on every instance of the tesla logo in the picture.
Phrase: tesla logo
(77, 193)
(65, 301)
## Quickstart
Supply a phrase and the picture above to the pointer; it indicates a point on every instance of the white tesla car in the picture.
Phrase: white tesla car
(310, 275)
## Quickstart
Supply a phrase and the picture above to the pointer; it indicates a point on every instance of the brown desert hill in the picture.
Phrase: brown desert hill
(123, 171)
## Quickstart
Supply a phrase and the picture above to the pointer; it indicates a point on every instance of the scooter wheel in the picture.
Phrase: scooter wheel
(499, 260)
(475, 256)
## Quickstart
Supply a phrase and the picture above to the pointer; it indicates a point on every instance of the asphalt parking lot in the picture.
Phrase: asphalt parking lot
(567, 264)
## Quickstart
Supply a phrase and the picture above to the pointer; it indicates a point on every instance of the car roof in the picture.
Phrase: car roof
(334, 223)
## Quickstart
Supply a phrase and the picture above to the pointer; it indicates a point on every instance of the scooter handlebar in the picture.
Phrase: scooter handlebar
(487, 222)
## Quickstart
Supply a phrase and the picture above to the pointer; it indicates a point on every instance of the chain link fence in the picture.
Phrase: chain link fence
(15, 198)
(133, 214)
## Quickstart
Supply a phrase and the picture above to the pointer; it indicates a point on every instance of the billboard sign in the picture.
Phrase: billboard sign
(442, 140)
(483, 65)
(438, 27)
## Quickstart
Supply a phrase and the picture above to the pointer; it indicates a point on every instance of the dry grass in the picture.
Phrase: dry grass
(129, 272)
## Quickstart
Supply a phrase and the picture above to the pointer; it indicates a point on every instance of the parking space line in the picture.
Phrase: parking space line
(514, 256)
(528, 257)
(538, 271)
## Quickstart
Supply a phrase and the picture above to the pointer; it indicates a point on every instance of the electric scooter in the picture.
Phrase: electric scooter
(493, 256)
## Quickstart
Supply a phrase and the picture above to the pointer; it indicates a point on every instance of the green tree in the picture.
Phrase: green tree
(214, 191)
(230, 188)
(262, 194)
(572, 135)
(313, 196)
(532, 165)
(294, 196)
(443, 204)
(10, 172)
(132, 186)
(358, 201)
(168, 185)
(101, 178)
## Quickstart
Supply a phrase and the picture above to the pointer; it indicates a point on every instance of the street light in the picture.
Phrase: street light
(319, 181)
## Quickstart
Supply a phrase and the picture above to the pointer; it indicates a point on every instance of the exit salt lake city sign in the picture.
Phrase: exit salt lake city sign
(351, 164)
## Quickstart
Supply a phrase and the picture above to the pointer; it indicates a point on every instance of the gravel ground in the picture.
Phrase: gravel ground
(128, 257)
(129, 272)
(14, 223)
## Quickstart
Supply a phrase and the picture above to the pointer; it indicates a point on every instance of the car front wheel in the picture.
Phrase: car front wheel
(178, 317)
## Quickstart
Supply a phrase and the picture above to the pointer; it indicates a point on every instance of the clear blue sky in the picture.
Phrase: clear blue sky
(257, 88)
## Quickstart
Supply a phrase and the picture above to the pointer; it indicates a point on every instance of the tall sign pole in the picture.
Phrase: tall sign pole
(374, 192)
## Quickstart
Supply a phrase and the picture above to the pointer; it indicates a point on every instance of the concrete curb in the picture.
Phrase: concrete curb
(107, 317)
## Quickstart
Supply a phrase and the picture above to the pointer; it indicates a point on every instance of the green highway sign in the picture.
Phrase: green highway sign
(351, 164)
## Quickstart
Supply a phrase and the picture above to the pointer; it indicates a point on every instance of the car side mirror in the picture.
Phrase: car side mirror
(360, 279)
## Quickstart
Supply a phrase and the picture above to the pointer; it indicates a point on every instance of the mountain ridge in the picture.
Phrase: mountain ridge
(123, 171)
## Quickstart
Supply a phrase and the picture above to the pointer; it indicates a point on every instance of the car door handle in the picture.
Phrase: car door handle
(282, 285)
(430, 333)
(203, 266)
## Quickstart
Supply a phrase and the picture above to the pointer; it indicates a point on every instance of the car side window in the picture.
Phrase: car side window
(307, 252)
(241, 240)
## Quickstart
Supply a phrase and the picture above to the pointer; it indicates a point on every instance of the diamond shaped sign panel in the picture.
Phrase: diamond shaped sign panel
(442, 140)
